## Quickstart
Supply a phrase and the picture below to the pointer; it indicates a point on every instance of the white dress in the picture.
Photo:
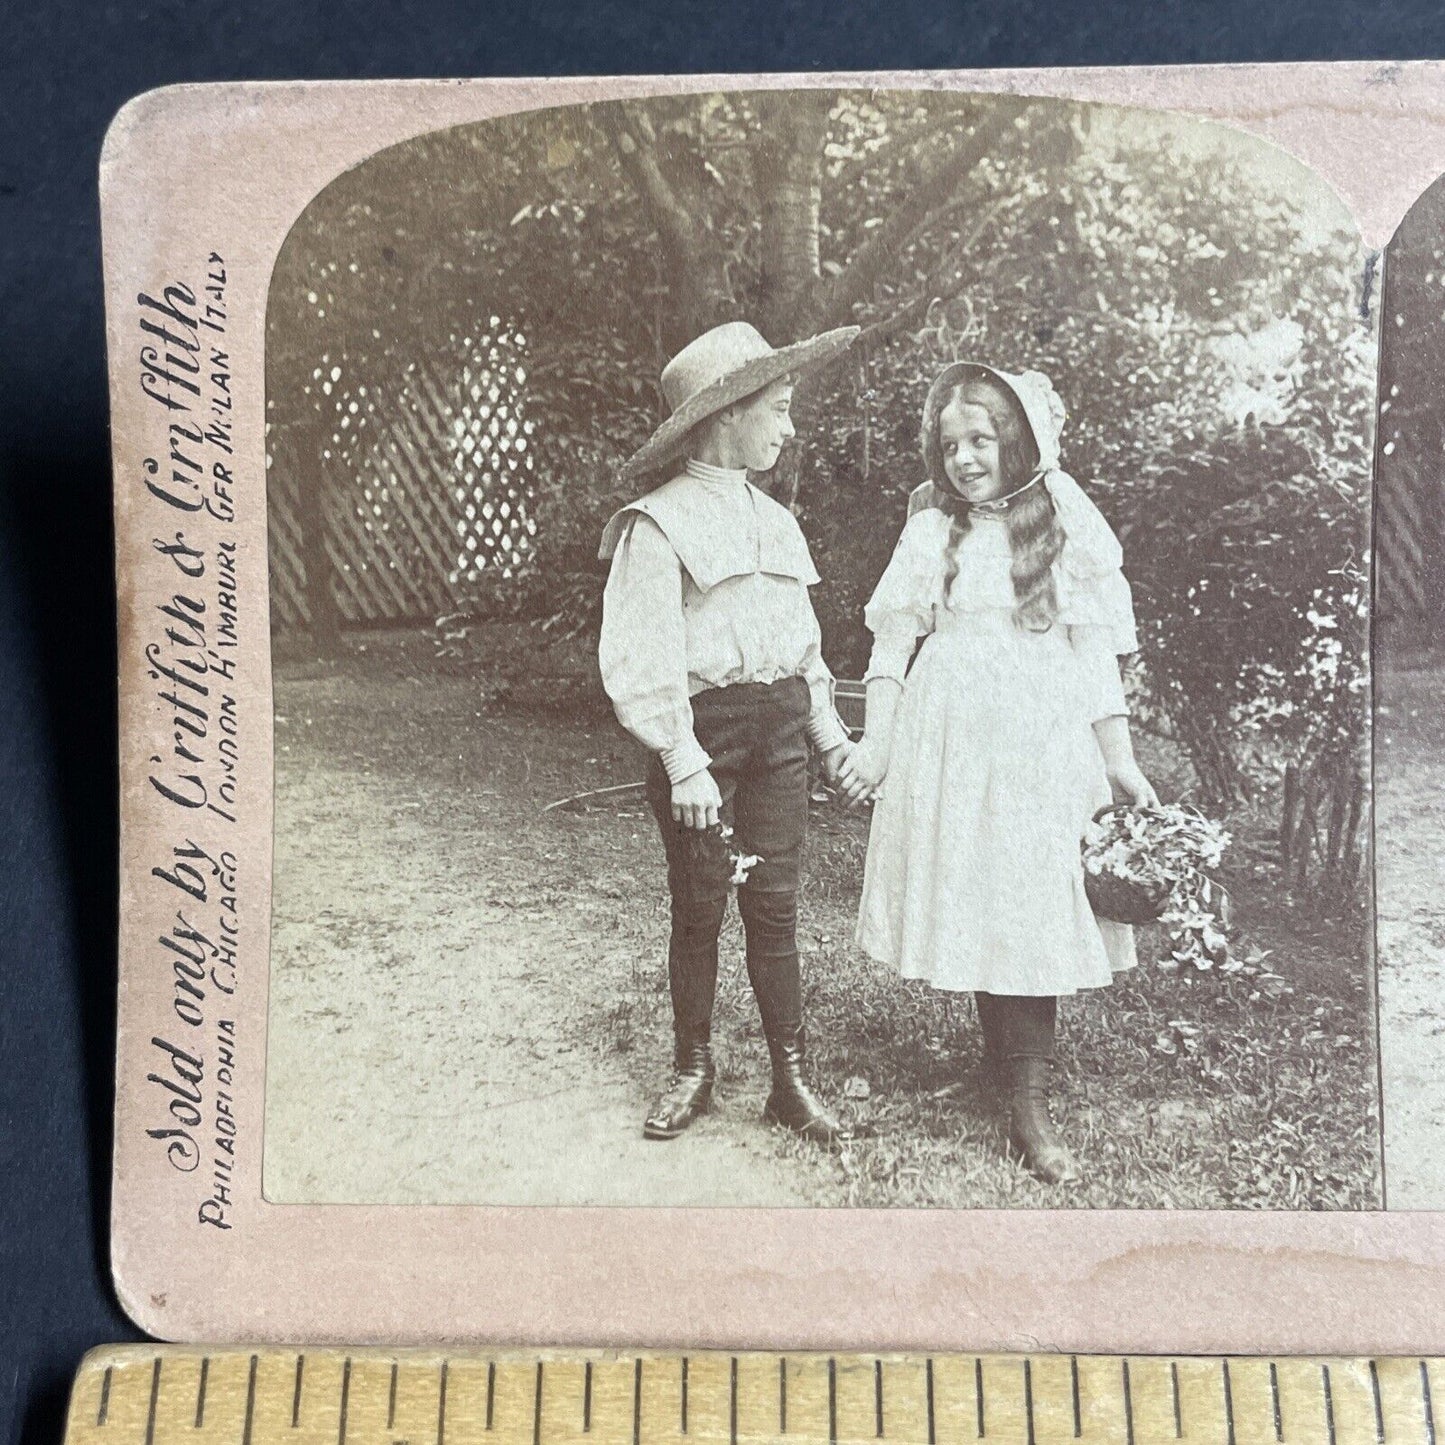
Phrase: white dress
(973, 878)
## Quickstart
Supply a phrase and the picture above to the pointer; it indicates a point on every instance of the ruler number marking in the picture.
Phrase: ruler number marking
(296, 1393)
(1379, 1404)
(1428, 1403)
(1128, 1406)
(536, 1407)
(1329, 1403)
(201, 1392)
(1275, 1403)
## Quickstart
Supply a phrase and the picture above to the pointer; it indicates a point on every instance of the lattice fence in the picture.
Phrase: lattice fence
(422, 483)
(1410, 546)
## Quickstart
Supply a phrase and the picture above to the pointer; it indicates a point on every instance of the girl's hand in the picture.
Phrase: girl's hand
(862, 772)
(1129, 785)
(696, 802)
(833, 761)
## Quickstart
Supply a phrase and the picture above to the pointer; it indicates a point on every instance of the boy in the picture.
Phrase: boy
(710, 654)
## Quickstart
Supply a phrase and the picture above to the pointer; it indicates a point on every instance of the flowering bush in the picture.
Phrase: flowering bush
(1146, 863)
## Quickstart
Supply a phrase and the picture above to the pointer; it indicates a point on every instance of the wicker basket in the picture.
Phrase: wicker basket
(1124, 900)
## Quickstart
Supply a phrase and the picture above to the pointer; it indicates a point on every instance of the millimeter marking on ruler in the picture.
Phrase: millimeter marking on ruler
(251, 1401)
(1228, 1401)
(171, 1395)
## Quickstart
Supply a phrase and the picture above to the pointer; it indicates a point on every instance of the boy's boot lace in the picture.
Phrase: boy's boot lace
(690, 1092)
(792, 1103)
(1031, 1127)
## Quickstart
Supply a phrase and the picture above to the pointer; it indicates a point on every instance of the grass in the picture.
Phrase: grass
(1176, 1091)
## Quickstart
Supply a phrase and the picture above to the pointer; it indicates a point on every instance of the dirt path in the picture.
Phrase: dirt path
(1410, 846)
(469, 999)
(414, 1054)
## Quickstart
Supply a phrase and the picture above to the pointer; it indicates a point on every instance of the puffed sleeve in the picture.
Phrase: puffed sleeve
(1093, 591)
(1095, 600)
(901, 609)
(642, 651)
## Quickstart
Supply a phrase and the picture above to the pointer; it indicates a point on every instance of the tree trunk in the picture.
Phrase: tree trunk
(787, 160)
(693, 265)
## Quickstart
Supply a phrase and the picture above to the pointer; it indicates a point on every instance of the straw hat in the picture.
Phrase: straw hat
(723, 366)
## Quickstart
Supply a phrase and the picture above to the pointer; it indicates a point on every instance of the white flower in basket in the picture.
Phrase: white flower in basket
(1143, 865)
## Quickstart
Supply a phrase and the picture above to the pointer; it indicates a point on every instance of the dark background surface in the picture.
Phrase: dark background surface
(64, 71)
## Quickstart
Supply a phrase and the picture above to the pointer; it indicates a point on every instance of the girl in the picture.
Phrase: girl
(1009, 732)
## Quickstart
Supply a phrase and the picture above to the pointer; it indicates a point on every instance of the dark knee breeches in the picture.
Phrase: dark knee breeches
(755, 734)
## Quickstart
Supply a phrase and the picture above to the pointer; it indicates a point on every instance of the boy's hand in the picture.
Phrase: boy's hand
(696, 802)
(1129, 785)
(833, 761)
(862, 772)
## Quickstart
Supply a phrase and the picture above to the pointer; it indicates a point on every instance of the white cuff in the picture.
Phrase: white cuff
(826, 730)
(684, 759)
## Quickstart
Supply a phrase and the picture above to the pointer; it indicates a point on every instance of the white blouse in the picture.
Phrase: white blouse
(1096, 610)
(708, 587)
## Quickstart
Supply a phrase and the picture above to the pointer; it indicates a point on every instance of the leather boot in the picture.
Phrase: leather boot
(792, 1103)
(689, 1095)
(1031, 1127)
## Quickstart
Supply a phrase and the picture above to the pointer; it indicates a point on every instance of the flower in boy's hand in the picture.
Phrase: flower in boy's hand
(743, 865)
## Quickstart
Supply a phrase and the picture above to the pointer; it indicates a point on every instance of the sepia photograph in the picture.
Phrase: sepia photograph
(1409, 653)
(820, 658)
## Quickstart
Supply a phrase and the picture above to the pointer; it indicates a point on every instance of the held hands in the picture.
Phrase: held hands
(696, 802)
(833, 761)
(1129, 785)
(862, 772)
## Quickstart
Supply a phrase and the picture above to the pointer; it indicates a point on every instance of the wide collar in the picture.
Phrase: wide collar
(720, 525)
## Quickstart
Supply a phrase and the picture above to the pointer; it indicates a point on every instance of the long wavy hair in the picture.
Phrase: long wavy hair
(1034, 536)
